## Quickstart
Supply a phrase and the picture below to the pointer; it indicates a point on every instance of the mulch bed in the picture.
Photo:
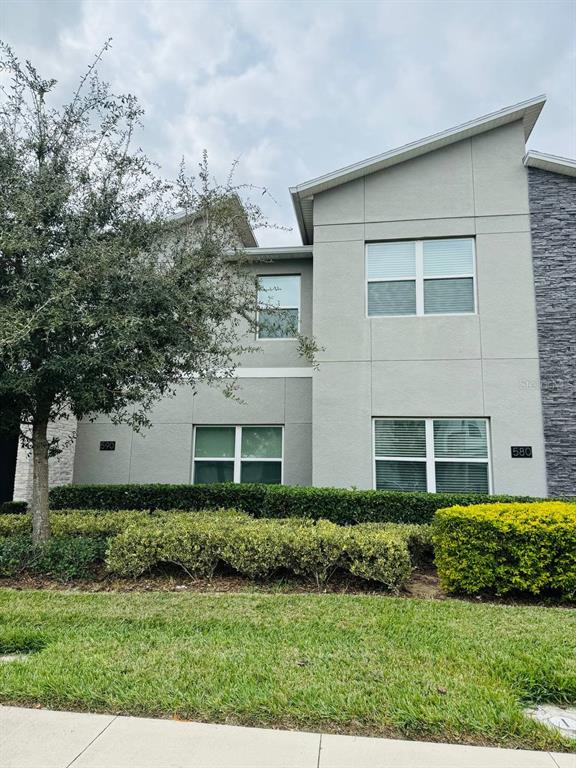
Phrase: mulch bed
(424, 584)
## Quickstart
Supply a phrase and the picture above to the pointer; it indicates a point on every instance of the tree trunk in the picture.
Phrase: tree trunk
(39, 506)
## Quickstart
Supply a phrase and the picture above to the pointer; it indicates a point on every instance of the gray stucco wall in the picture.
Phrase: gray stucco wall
(553, 223)
(483, 365)
(470, 366)
(163, 453)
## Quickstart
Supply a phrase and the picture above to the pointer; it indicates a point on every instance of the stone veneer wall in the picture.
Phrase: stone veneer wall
(61, 466)
(553, 225)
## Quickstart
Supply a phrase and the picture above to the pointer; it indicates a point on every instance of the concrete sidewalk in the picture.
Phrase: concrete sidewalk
(40, 738)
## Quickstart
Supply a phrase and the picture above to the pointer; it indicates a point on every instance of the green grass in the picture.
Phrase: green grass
(440, 670)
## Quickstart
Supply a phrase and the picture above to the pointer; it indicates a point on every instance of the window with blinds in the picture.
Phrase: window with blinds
(238, 455)
(436, 455)
(278, 306)
(421, 277)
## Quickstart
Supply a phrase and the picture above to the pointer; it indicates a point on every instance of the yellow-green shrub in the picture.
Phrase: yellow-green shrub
(258, 547)
(316, 550)
(418, 538)
(379, 554)
(192, 541)
(255, 549)
(15, 525)
(88, 522)
(80, 522)
(501, 548)
(138, 541)
(75, 522)
(135, 550)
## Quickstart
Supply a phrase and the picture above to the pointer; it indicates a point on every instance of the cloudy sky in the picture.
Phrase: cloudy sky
(296, 89)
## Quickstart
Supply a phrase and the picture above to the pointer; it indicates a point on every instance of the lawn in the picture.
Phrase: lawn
(421, 669)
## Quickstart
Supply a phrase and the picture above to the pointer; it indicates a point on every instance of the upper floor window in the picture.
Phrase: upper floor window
(279, 306)
(421, 277)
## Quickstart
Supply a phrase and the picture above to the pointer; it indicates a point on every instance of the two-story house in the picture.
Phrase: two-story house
(439, 280)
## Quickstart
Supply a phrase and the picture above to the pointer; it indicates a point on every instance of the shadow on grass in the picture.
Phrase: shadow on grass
(21, 641)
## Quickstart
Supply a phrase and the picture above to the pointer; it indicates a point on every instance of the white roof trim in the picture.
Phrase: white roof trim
(527, 111)
(553, 163)
(281, 253)
(296, 250)
(272, 254)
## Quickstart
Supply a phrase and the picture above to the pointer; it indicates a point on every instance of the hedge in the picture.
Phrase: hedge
(503, 548)
(137, 541)
(62, 557)
(258, 547)
(338, 505)
(89, 522)
(13, 507)
(79, 540)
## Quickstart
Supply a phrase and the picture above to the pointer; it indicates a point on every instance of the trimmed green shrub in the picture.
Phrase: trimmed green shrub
(316, 550)
(338, 505)
(13, 508)
(62, 557)
(193, 542)
(15, 554)
(380, 556)
(88, 522)
(243, 497)
(502, 548)
(257, 548)
(15, 525)
(68, 557)
(418, 539)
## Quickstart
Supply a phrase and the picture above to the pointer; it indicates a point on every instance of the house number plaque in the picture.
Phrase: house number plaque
(521, 451)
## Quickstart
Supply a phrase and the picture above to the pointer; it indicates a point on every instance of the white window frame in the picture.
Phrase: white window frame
(419, 279)
(282, 306)
(237, 459)
(430, 458)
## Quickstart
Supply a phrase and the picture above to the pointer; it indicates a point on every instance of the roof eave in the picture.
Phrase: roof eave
(553, 163)
(244, 227)
(527, 111)
(304, 234)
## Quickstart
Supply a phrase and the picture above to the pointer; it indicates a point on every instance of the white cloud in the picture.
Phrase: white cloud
(297, 89)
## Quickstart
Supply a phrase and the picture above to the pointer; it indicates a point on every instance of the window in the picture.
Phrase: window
(279, 306)
(437, 455)
(238, 455)
(421, 277)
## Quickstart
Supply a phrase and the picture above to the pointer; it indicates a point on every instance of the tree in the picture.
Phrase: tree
(114, 285)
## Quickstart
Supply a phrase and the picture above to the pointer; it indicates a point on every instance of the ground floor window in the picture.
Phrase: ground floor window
(238, 454)
(436, 455)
